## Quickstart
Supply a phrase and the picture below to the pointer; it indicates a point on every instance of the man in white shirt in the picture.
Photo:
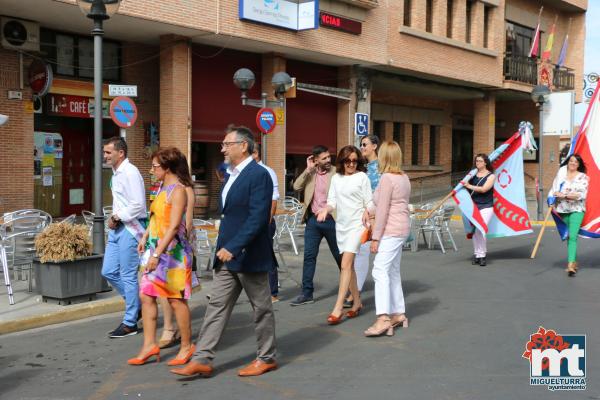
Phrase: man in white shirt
(273, 275)
(127, 225)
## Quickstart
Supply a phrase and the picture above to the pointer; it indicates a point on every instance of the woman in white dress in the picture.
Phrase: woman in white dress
(349, 195)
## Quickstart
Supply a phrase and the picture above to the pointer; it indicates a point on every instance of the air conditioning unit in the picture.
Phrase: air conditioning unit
(18, 34)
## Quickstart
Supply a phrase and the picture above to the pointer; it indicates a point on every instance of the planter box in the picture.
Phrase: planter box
(69, 279)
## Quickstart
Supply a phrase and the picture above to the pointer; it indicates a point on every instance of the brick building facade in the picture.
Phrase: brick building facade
(441, 77)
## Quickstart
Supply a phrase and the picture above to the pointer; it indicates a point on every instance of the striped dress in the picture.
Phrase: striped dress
(172, 278)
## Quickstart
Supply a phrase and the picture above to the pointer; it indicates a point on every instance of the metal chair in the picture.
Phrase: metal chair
(202, 243)
(17, 244)
(280, 223)
(439, 224)
(69, 220)
(106, 212)
(88, 217)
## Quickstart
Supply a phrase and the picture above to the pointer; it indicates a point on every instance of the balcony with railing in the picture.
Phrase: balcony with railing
(563, 78)
(520, 69)
(526, 70)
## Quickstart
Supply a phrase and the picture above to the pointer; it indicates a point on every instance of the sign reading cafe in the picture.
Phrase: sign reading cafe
(297, 15)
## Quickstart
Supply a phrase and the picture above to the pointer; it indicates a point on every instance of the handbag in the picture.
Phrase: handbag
(365, 236)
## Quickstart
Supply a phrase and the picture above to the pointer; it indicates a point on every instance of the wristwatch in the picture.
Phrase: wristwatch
(156, 255)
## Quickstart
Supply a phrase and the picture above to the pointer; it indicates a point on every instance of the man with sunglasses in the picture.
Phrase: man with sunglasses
(315, 181)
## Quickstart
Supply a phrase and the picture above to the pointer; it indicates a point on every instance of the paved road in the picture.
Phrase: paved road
(468, 329)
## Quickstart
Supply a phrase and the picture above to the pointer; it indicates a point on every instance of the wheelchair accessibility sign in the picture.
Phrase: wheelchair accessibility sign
(361, 124)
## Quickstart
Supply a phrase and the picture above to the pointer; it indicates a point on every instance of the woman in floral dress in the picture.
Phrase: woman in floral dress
(167, 260)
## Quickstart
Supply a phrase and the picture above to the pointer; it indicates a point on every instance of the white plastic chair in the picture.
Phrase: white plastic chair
(281, 227)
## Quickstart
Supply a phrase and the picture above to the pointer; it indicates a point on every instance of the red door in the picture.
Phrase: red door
(76, 171)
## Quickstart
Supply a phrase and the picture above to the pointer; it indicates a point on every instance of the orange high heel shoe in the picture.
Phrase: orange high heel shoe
(333, 320)
(353, 313)
(141, 361)
(185, 360)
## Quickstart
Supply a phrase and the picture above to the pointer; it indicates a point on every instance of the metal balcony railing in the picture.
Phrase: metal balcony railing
(563, 78)
(520, 69)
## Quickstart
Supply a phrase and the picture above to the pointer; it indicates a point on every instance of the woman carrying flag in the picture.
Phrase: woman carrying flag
(481, 186)
(567, 196)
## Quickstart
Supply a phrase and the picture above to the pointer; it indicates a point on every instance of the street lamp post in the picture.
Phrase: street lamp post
(98, 11)
(539, 96)
(244, 80)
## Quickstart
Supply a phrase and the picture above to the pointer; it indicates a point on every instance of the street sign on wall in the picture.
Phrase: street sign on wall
(122, 90)
(266, 120)
(123, 112)
(361, 124)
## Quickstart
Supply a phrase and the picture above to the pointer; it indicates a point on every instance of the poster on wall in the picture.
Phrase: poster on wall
(47, 176)
(47, 147)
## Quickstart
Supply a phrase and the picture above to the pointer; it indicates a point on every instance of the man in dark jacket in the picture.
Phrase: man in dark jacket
(243, 258)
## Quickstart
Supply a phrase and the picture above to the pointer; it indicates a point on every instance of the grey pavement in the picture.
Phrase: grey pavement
(468, 329)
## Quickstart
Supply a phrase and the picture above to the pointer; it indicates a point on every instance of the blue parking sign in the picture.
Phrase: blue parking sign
(361, 124)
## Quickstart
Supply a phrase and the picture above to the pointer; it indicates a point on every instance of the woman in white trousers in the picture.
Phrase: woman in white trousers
(392, 226)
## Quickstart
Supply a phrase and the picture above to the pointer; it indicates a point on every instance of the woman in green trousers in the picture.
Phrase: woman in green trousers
(568, 196)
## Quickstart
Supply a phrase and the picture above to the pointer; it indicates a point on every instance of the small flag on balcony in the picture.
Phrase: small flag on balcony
(549, 43)
(535, 44)
(563, 50)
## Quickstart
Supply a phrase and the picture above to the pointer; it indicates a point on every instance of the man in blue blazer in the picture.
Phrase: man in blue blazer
(243, 258)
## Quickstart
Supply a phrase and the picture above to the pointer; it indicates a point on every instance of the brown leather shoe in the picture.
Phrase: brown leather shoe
(257, 367)
(194, 368)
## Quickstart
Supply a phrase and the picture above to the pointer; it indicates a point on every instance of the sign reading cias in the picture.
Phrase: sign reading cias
(297, 15)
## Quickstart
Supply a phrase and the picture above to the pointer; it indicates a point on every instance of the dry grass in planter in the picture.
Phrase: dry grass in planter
(63, 242)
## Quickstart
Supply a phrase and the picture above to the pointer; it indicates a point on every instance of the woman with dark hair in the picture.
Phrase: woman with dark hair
(481, 186)
(168, 259)
(350, 195)
(567, 196)
(170, 335)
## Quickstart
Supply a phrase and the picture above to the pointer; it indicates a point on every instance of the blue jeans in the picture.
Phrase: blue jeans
(120, 268)
(313, 234)
(273, 274)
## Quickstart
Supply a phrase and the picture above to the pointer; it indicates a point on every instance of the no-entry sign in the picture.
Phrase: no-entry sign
(266, 120)
(123, 111)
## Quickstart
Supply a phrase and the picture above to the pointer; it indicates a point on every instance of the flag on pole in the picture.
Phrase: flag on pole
(587, 144)
(535, 44)
(563, 52)
(510, 206)
(547, 54)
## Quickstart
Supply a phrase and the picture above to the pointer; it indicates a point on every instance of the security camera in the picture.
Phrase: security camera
(3, 119)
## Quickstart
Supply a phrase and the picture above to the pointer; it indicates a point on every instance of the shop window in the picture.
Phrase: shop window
(407, 9)
(73, 55)
(469, 21)
(378, 128)
(398, 135)
(429, 16)
(434, 145)
(416, 133)
(518, 39)
(449, 17)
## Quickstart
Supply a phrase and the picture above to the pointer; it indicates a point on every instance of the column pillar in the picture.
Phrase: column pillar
(477, 24)
(484, 124)
(459, 20)
(276, 145)
(388, 131)
(440, 9)
(424, 145)
(175, 93)
(407, 145)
